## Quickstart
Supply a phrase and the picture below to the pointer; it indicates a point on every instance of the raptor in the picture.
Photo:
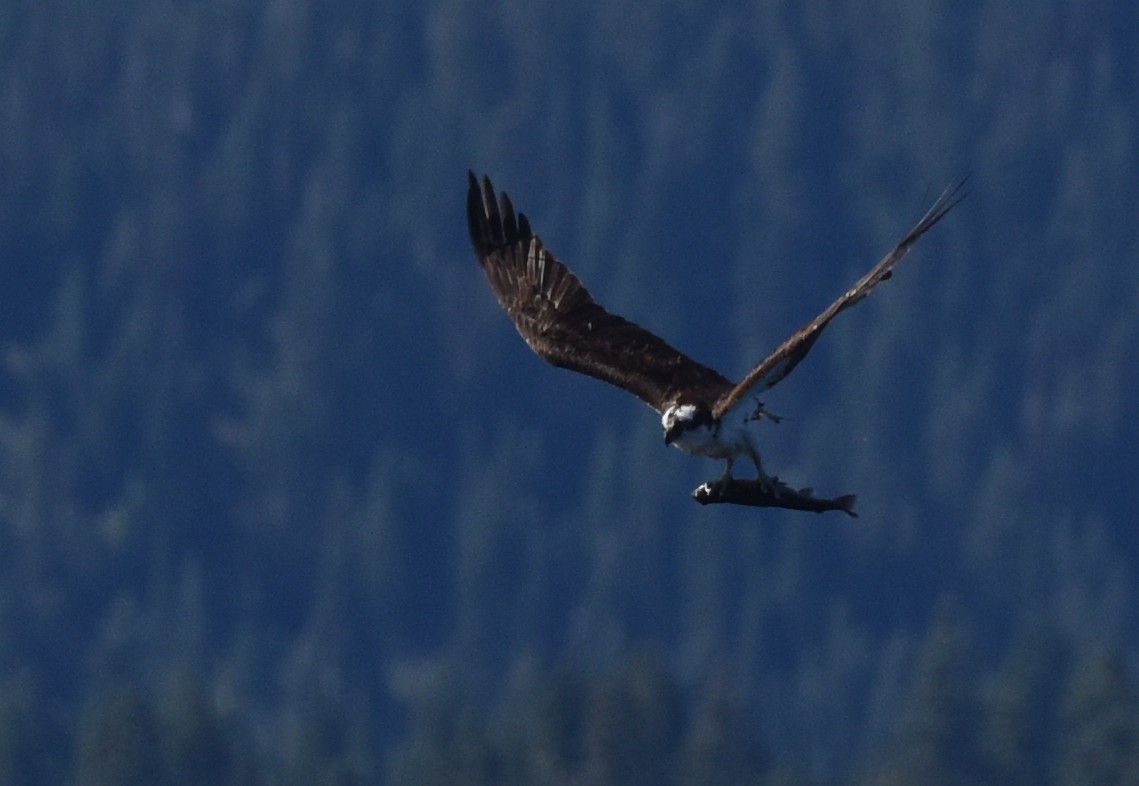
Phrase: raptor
(701, 411)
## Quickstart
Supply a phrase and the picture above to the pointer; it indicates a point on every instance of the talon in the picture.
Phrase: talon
(769, 484)
(761, 413)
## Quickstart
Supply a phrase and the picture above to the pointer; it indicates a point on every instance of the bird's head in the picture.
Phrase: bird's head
(679, 419)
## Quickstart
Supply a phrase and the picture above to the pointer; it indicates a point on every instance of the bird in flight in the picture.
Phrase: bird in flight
(702, 412)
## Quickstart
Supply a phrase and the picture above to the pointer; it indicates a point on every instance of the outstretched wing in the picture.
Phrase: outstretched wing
(559, 319)
(779, 363)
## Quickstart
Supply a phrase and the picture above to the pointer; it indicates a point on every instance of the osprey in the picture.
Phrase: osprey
(702, 412)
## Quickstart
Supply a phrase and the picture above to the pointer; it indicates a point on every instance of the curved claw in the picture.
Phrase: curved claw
(761, 413)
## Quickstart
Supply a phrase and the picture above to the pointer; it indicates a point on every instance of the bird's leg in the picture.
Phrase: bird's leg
(761, 413)
(722, 482)
(769, 483)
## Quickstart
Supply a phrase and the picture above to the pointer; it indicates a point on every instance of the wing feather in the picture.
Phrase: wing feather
(559, 319)
(773, 368)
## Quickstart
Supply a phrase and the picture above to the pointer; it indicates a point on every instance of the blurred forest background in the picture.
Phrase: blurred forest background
(284, 498)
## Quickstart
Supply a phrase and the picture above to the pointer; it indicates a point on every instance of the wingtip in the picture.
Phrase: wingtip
(950, 197)
(488, 190)
(491, 217)
(478, 218)
(509, 224)
(483, 188)
(956, 190)
(953, 194)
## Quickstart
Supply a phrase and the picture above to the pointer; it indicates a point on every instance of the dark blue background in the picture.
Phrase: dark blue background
(266, 439)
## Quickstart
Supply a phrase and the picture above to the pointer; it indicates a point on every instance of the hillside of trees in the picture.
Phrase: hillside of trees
(284, 498)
